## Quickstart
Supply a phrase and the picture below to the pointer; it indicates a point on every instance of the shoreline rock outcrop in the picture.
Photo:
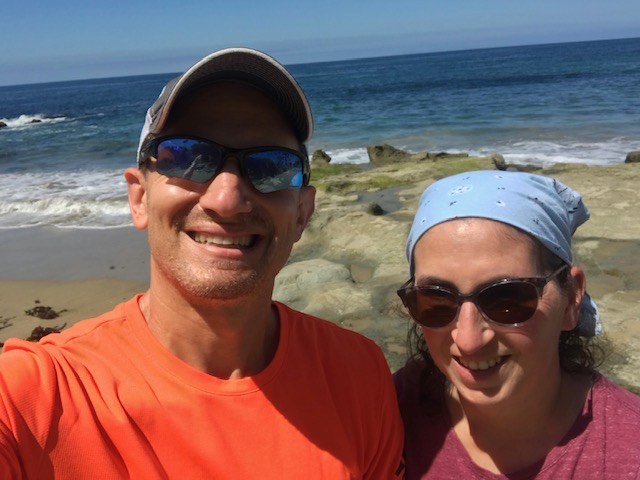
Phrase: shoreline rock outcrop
(632, 157)
(347, 234)
(320, 158)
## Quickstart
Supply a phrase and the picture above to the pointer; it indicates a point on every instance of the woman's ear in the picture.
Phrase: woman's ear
(577, 290)
(136, 190)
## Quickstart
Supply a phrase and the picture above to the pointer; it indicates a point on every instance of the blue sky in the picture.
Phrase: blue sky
(46, 40)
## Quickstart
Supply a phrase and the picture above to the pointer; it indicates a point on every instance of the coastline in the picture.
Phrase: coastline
(349, 261)
(79, 273)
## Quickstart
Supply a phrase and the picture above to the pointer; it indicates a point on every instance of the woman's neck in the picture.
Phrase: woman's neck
(508, 436)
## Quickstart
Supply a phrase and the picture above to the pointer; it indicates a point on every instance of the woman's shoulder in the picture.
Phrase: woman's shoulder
(608, 429)
(613, 415)
(615, 399)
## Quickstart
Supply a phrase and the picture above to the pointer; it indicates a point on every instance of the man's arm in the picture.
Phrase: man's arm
(25, 407)
(10, 468)
(9, 462)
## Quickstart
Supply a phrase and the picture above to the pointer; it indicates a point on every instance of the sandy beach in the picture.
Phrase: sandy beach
(77, 273)
(348, 264)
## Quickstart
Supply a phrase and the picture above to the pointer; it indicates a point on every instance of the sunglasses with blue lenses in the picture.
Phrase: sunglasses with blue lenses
(269, 169)
(508, 302)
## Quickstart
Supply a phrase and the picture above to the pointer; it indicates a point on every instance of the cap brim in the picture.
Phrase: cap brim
(236, 64)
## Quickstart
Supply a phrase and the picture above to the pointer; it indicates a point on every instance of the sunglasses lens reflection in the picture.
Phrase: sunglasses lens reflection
(268, 169)
(273, 170)
(509, 302)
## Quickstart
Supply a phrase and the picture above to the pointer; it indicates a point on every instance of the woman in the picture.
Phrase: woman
(503, 383)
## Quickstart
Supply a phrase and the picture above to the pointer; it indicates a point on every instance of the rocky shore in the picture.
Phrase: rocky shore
(351, 259)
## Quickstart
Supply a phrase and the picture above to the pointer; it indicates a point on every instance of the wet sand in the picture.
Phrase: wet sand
(79, 273)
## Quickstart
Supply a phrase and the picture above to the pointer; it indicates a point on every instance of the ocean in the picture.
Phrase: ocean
(571, 102)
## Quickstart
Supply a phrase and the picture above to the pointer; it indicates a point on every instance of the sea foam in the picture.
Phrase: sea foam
(28, 120)
(349, 155)
(85, 199)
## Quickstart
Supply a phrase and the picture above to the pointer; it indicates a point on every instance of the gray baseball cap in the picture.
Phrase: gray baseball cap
(234, 64)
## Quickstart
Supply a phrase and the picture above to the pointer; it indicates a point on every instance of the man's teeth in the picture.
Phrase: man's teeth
(225, 241)
(480, 365)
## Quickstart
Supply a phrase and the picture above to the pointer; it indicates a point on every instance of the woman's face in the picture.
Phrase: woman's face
(485, 363)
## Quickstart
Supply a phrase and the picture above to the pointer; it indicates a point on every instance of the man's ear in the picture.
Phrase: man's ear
(578, 288)
(306, 207)
(136, 190)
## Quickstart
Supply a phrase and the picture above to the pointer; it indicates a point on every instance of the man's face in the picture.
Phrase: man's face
(222, 239)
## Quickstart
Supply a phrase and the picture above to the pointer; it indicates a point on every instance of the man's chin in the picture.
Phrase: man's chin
(237, 287)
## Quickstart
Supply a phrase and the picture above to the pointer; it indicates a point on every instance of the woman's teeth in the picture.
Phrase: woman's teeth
(480, 365)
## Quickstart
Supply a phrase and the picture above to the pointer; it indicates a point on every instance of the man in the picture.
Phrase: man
(204, 376)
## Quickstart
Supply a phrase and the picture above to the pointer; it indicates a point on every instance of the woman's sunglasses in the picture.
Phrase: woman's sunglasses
(268, 168)
(507, 302)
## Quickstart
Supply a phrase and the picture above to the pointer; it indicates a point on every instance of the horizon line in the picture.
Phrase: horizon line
(349, 59)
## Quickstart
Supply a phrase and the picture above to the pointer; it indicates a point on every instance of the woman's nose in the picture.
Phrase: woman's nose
(471, 331)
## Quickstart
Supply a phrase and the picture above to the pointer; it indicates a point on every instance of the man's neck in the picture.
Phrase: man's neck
(226, 339)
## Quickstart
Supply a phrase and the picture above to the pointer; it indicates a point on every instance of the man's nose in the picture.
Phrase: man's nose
(229, 192)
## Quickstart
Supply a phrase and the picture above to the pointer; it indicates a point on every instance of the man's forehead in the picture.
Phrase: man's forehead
(231, 113)
(226, 98)
(239, 92)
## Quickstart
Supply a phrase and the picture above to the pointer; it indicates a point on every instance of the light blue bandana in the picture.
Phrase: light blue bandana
(540, 206)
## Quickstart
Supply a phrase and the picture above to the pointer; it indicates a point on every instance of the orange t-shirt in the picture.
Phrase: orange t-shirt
(105, 400)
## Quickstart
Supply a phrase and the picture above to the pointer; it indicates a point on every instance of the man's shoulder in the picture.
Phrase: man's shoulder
(320, 326)
(30, 371)
(330, 340)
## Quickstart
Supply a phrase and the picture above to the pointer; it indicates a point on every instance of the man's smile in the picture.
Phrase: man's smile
(223, 241)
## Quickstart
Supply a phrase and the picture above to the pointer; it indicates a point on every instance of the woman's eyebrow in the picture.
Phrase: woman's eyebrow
(433, 280)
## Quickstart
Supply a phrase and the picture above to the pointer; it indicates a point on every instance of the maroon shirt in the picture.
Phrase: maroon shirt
(603, 443)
